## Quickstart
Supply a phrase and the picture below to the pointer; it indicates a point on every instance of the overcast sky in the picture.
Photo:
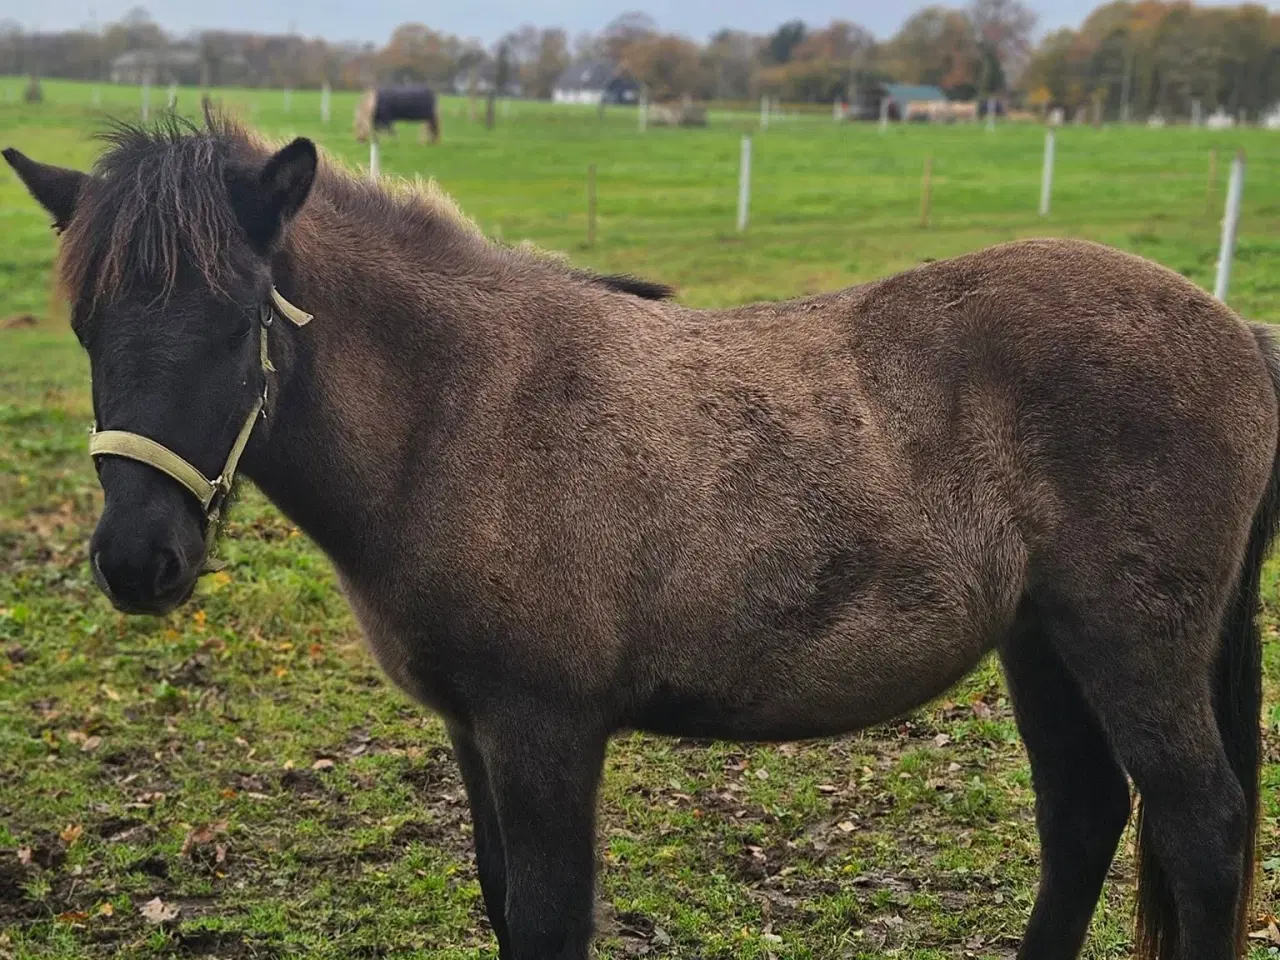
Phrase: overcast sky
(486, 20)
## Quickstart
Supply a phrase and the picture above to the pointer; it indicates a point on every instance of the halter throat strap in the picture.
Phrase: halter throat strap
(211, 494)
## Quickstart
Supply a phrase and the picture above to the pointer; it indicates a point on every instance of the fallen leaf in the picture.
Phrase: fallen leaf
(110, 694)
(941, 740)
(72, 916)
(281, 671)
(71, 833)
(1270, 933)
(762, 774)
(91, 744)
(220, 853)
(156, 911)
(106, 910)
(24, 856)
(845, 826)
(202, 835)
(324, 763)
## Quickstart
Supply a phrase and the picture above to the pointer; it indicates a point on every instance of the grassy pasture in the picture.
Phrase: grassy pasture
(243, 761)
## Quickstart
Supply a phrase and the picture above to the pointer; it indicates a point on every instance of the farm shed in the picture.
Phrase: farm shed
(171, 64)
(595, 81)
(905, 101)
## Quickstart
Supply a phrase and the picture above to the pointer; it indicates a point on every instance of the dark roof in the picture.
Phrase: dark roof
(906, 92)
(588, 75)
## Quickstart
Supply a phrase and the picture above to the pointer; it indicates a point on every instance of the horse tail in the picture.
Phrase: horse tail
(1237, 709)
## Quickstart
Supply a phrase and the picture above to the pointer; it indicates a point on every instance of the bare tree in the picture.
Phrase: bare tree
(1003, 30)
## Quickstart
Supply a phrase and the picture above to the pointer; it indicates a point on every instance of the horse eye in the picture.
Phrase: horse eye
(243, 326)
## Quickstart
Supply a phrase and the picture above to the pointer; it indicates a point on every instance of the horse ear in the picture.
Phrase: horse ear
(274, 197)
(55, 188)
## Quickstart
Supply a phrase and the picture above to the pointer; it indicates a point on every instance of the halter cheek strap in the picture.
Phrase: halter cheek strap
(211, 494)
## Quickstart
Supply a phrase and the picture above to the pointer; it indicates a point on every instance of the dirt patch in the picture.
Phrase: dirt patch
(304, 783)
(116, 828)
(19, 321)
(131, 759)
(14, 905)
(436, 772)
(225, 944)
(154, 866)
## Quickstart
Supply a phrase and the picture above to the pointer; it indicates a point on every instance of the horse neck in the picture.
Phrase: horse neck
(355, 388)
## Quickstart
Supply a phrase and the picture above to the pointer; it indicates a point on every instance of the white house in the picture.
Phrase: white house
(594, 81)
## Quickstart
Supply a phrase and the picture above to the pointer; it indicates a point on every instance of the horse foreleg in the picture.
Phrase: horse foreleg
(487, 834)
(544, 771)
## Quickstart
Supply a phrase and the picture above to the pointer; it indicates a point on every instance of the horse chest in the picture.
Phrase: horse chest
(401, 653)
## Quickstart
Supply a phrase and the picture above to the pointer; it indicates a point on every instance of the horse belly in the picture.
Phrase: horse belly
(865, 670)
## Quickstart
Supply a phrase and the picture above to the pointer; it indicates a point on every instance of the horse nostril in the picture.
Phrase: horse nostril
(168, 572)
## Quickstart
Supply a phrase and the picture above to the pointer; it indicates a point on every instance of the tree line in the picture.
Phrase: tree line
(1153, 55)
(1159, 57)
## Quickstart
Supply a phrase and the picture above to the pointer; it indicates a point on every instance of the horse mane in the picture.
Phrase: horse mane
(634, 286)
(158, 200)
(157, 197)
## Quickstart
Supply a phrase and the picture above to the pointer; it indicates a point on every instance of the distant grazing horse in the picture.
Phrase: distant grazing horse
(561, 509)
(380, 109)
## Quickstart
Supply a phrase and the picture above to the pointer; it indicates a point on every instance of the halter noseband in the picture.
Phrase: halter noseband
(211, 494)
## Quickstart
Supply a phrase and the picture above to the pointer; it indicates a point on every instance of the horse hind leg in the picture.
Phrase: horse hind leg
(1151, 681)
(1082, 796)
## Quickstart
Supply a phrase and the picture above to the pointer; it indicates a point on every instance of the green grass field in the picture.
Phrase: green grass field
(244, 762)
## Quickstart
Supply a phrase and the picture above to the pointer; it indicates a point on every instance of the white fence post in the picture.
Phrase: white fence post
(173, 95)
(1195, 113)
(146, 101)
(884, 114)
(1230, 223)
(744, 184)
(324, 103)
(1046, 179)
(373, 158)
(97, 97)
